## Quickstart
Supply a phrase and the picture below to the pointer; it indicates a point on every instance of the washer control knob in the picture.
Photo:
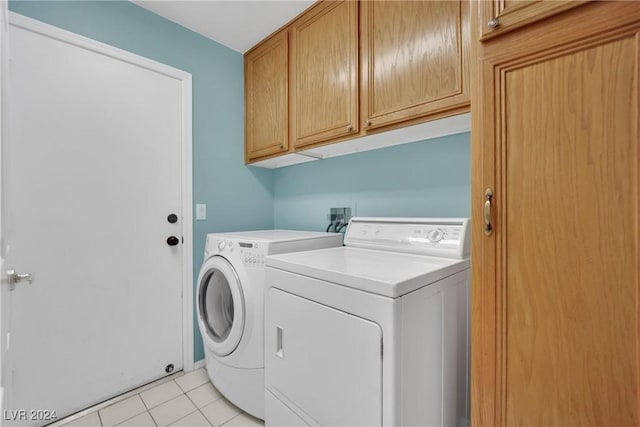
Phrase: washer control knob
(221, 244)
(435, 236)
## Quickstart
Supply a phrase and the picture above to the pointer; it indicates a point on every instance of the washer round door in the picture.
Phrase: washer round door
(221, 309)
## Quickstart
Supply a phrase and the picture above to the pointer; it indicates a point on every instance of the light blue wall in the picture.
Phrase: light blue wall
(237, 197)
(427, 178)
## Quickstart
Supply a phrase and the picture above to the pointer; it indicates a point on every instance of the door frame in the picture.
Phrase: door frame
(4, 67)
(47, 30)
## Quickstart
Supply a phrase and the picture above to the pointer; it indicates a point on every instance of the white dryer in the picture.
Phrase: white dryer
(373, 333)
(230, 307)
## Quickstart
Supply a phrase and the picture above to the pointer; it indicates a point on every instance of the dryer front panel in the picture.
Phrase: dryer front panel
(323, 363)
(221, 306)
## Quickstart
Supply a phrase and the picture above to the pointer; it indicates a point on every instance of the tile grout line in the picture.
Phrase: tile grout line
(163, 403)
(198, 409)
(147, 409)
(205, 417)
(182, 418)
(137, 415)
(231, 419)
(115, 399)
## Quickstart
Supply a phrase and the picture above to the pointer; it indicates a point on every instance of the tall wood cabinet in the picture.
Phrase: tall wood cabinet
(324, 73)
(556, 240)
(266, 70)
(414, 59)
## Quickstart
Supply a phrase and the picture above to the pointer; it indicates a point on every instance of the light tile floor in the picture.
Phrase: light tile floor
(181, 400)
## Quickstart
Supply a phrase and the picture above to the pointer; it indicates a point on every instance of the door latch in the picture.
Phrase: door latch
(14, 278)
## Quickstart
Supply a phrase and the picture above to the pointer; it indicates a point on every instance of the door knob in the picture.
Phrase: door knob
(172, 218)
(172, 240)
(14, 278)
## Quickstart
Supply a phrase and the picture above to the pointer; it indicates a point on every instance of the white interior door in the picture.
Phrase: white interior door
(92, 170)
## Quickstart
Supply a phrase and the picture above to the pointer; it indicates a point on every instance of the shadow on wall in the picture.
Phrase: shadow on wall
(428, 178)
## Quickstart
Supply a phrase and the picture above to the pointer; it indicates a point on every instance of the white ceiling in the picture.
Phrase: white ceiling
(238, 24)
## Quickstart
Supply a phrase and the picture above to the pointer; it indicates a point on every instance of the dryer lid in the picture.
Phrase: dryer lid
(387, 256)
(390, 274)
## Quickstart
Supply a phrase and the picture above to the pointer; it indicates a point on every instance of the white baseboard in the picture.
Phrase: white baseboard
(199, 364)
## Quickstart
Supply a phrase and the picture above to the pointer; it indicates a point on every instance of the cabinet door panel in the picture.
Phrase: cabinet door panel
(556, 330)
(266, 98)
(415, 56)
(500, 16)
(571, 291)
(324, 73)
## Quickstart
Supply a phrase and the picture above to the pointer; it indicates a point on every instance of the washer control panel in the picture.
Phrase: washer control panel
(441, 237)
(252, 258)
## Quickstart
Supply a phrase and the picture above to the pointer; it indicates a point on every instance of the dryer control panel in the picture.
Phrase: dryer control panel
(447, 237)
(249, 253)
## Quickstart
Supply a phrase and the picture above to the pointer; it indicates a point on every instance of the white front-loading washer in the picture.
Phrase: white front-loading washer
(230, 301)
(372, 333)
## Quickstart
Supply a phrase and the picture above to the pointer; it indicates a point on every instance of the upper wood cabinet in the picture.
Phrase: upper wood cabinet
(415, 57)
(501, 16)
(353, 69)
(324, 73)
(266, 98)
(555, 296)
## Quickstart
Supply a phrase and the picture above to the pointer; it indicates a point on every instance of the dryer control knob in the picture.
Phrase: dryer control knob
(435, 236)
(221, 245)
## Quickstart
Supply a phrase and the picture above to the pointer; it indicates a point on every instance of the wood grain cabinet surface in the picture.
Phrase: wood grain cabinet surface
(266, 98)
(555, 319)
(350, 68)
(500, 16)
(324, 73)
(415, 57)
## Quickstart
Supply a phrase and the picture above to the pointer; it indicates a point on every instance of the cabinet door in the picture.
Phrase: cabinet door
(500, 16)
(414, 59)
(555, 322)
(324, 73)
(266, 98)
